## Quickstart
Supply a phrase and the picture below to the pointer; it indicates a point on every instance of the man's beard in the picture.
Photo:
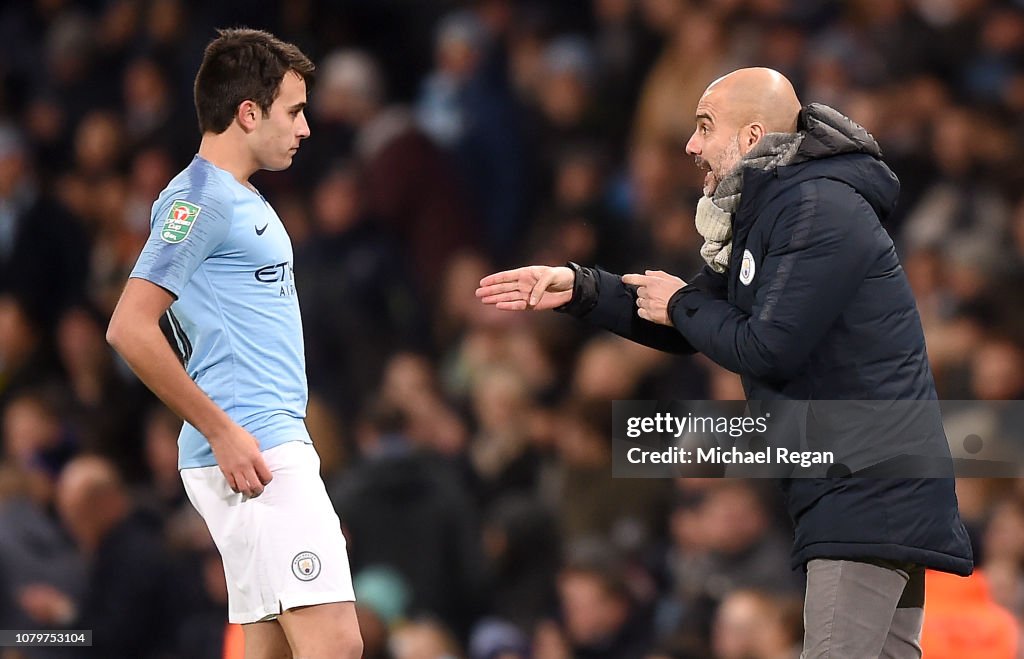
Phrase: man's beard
(727, 163)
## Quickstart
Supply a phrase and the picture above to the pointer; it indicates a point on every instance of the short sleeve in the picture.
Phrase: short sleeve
(183, 234)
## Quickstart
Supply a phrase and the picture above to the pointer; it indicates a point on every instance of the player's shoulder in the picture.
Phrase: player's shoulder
(200, 187)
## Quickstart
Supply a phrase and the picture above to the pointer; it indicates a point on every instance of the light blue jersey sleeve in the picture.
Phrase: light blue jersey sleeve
(185, 229)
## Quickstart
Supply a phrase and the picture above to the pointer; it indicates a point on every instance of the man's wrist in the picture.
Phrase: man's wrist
(673, 302)
(684, 303)
(584, 292)
(217, 428)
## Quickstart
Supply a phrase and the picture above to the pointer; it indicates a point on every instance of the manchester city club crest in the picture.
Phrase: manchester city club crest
(747, 268)
(306, 566)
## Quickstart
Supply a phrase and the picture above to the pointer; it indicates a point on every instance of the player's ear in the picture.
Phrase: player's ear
(247, 115)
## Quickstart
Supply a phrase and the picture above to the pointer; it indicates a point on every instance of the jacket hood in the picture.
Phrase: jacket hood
(827, 132)
(836, 147)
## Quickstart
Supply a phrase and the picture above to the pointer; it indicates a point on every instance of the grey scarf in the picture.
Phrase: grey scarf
(714, 214)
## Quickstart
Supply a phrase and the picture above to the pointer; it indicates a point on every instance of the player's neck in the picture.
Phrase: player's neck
(229, 153)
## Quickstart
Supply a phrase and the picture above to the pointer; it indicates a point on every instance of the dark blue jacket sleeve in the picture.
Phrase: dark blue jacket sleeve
(818, 255)
(601, 299)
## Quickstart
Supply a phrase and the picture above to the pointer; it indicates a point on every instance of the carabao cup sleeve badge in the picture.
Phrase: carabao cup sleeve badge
(179, 221)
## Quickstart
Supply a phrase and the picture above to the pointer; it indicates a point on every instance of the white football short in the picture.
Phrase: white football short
(282, 549)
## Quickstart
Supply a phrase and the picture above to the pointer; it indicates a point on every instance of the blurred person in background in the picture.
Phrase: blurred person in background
(502, 452)
(203, 631)
(694, 54)
(409, 184)
(467, 107)
(787, 335)
(609, 368)
(624, 50)
(497, 640)
(722, 543)
(43, 249)
(33, 552)
(961, 620)
(522, 544)
(25, 361)
(99, 147)
(410, 385)
(69, 54)
(423, 639)
(119, 237)
(998, 370)
(566, 114)
(600, 618)
(589, 504)
(578, 226)
(752, 624)
(401, 496)
(963, 203)
(457, 315)
(671, 243)
(129, 599)
(38, 439)
(359, 306)
(104, 402)
(651, 185)
(329, 436)
(163, 492)
(1000, 45)
(993, 373)
(383, 603)
(151, 117)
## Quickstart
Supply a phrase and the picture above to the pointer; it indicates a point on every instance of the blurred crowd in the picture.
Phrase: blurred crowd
(468, 450)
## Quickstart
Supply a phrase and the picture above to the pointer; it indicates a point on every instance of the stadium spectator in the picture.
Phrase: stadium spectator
(33, 550)
(466, 106)
(362, 306)
(43, 249)
(409, 185)
(961, 620)
(400, 496)
(130, 593)
(751, 624)
(601, 619)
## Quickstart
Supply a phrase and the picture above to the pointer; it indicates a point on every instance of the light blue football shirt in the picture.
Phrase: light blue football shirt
(222, 251)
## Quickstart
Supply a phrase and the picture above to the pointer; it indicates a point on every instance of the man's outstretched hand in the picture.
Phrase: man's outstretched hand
(654, 289)
(537, 287)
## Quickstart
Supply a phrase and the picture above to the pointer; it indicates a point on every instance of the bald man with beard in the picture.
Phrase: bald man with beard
(804, 297)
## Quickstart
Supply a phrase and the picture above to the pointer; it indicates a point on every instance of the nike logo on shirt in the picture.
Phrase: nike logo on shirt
(259, 231)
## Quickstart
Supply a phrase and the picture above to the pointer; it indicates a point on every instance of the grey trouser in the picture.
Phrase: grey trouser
(860, 610)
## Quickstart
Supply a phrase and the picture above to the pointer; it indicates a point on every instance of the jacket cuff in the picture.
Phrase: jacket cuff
(684, 303)
(584, 292)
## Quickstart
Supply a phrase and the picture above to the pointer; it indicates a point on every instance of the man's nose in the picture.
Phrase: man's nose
(693, 146)
(303, 131)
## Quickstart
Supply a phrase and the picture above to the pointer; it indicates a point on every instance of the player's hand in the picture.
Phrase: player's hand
(537, 287)
(239, 458)
(654, 289)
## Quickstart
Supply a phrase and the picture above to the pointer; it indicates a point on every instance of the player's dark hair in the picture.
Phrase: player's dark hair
(243, 65)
